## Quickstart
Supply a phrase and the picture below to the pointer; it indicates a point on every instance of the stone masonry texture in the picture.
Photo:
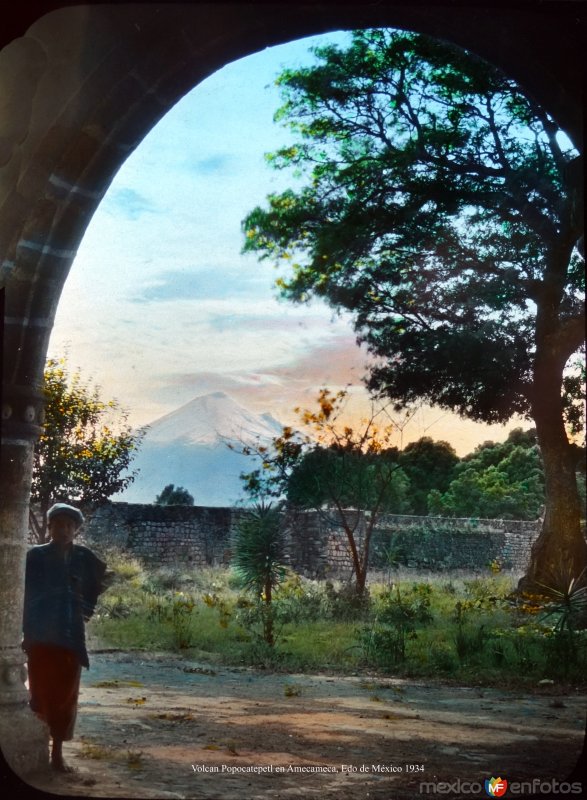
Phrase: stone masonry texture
(316, 546)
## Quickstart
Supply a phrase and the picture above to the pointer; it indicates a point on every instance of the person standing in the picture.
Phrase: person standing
(62, 583)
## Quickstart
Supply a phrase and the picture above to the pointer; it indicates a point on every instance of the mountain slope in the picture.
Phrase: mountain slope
(190, 448)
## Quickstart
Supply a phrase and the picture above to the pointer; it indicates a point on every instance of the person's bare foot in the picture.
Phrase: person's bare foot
(59, 765)
(57, 762)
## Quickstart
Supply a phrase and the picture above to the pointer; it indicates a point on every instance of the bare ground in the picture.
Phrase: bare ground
(157, 726)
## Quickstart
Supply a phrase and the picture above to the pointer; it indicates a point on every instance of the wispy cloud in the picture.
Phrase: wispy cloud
(337, 364)
(229, 296)
(128, 203)
(208, 283)
(218, 164)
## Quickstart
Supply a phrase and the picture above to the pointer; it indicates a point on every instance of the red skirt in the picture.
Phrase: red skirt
(54, 678)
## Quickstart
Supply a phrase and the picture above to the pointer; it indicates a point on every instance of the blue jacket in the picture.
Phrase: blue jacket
(61, 591)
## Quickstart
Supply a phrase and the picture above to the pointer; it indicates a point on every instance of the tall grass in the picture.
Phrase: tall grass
(468, 629)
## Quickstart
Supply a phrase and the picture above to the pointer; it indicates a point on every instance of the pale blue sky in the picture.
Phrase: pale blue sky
(161, 306)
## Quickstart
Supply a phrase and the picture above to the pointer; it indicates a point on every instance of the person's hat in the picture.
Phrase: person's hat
(68, 511)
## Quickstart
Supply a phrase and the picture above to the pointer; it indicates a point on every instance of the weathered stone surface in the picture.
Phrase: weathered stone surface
(316, 546)
(23, 741)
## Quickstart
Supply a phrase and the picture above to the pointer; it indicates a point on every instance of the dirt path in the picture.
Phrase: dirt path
(153, 726)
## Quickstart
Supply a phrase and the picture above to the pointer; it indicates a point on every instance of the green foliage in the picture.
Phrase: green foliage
(434, 190)
(347, 477)
(443, 208)
(469, 639)
(398, 616)
(574, 399)
(86, 447)
(277, 462)
(389, 552)
(567, 603)
(335, 468)
(172, 496)
(497, 481)
(258, 556)
(301, 600)
(258, 559)
(429, 466)
(471, 631)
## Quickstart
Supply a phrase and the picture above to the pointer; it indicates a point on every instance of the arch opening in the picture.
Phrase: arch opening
(73, 127)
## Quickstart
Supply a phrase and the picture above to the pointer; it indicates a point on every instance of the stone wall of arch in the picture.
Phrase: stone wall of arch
(80, 86)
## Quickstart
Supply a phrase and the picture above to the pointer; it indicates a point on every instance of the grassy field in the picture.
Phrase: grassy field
(468, 629)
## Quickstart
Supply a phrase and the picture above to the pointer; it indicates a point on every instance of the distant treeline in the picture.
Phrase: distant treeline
(496, 481)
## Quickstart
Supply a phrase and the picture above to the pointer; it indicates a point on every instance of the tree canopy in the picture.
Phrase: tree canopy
(443, 207)
(174, 496)
(349, 478)
(496, 481)
(436, 192)
(86, 448)
(429, 466)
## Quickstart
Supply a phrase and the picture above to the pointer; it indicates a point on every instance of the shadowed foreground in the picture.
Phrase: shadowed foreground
(153, 726)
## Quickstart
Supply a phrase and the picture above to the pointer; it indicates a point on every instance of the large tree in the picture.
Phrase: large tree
(443, 207)
(86, 447)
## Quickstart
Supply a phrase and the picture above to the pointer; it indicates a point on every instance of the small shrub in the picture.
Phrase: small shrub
(115, 606)
(384, 643)
(224, 610)
(97, 752)
(298, 601)
(487, 592)
(291, 690)
(182, 611)
(442, 658)
(468, 628)
(125, 568)
(525, 654)
(344, 603)
(498, 652)
(469, 643)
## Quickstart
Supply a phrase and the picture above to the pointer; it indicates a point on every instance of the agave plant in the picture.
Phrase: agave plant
(258, 558)
(567, 602)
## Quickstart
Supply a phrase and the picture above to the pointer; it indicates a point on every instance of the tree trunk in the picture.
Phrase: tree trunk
(360, 574)
(560, 552)
(268, 616)
(361, 566)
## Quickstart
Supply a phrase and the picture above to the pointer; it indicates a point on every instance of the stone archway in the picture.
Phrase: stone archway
(79, 89)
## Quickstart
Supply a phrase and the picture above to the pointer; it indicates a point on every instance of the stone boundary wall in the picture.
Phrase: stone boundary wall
(166, 536)
(440, 544)
(195, 536)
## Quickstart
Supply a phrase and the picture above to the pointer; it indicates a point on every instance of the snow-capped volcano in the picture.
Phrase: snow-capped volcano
(189, 447)
(213, 419)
